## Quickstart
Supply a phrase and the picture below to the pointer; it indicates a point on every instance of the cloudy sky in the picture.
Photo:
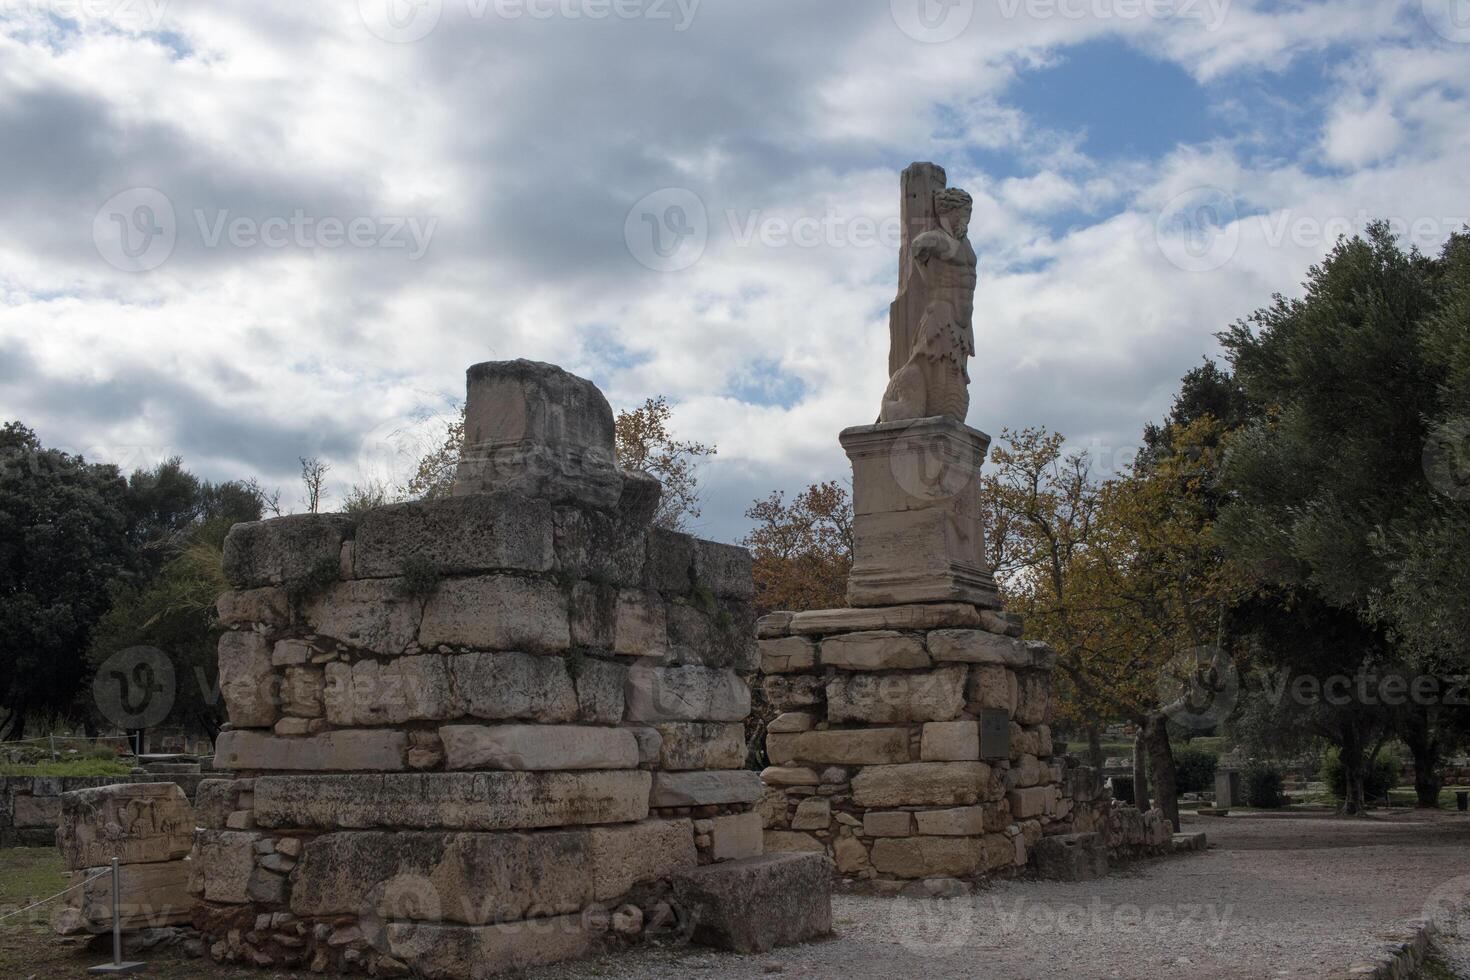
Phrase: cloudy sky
(244, 232)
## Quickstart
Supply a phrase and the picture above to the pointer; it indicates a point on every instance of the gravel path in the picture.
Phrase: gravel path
(1298, 896)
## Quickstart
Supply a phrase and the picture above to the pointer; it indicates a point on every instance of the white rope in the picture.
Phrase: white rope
(87, 881)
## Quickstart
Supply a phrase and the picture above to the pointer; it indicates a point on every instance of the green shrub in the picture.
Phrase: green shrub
(1382, 776)
(1194, 769)
(1263, 787)
(1123, 789)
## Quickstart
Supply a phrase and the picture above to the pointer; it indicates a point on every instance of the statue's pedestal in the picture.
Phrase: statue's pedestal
(917, 534)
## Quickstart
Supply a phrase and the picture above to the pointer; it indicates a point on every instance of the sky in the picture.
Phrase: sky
(246, 232)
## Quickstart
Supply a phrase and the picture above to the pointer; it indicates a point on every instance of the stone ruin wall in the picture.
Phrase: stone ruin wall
(466, 732)
(876, 760)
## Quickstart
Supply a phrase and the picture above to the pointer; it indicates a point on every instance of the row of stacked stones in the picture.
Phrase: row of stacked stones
(876, 755)
(473, 734)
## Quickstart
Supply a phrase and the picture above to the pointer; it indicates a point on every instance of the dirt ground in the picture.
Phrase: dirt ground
(1298, 896)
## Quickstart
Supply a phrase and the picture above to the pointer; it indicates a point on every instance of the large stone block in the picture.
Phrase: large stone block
(874, 650)
(1033, 705)
(687, 693)
(621, 857)
(133, 822)
(246, 680)
(928, 857)
(936, 695)
(669, 567)
(701, 745)
(538, 747)
(724, 569)
(284, 549)
(926, 616)
(851, 747)
(978, 647)
(921, 784)
(392, 692)
(756, 904)
(223, 866)
(950, 741)
(33, 812)
(448, 952)
(372, 615)
(640, 627)
(888, 823)
(497, 612)
(965, 821)
(456, 536)
(508, 685)
(150, 896)
(720, 635)
(790, 692)
(607, 546)
(471, 879)
(1034, 801)
(267, 606)
(788, 655)
(375, 750)
(705, 788)
(1071, 857)
(992, 686)
(601, 687)
(735, 836)
(454, 801)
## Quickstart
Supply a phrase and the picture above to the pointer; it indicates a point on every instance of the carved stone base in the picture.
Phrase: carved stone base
(917, 534)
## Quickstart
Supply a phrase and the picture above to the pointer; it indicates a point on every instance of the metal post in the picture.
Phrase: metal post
(117, 965)
(52, 739)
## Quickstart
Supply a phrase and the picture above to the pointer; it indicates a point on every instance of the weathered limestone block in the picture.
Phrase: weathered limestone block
(790, 722)
(936, 695)
(368, 614)
(928, 857)
(150, 896)
(926, 616)
(701, 745)
(514, 685)
(447, 952)
(1003, 852)
(1034, 801)
(497, 612)
(718, 635)
(470, 879)
(888, 823)
(687, 693)
(950, 741)
(36, 811)
(1026, 771)
(373, 750)
(965, 821)
(592, 615)
(133, 822)
(735, 836)
(788, 692)
(454, 801)
(874, 650)
(790, 776)
(224, 868)
(650, 744)
(621, 857)
(992, 686)
(724, 569)
(670, 565)
(601, 687)
(812, 813)
(640, 627)
(791, 842)
(788, 655)
(246, 680)
(401, 690)
(774, 625)
(853, 747)
(1071, 857)
(301, 692)
(283, 549)
(456, 536)
(1034, 703)
(978, 647)
(291, 653)
(538, 747)
(214, 799)
(921, 784)
(756, 904)
(705, 788)
(267, 606)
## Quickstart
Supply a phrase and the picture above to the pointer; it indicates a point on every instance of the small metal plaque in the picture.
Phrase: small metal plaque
(995, 734)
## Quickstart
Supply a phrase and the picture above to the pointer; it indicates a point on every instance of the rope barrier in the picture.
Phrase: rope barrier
(87, 881)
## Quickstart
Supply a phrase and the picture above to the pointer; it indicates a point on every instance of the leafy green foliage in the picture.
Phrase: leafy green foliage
(1263, 787)
(1381, 777)
(1194, 769)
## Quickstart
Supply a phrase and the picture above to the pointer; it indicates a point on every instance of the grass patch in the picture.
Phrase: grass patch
(68, 767)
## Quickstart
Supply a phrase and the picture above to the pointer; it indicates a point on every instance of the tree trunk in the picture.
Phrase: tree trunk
(1161, 766)
(1140, 774)
(1351, 755)
(15, 726)
(1094, 748)
(1418, 735)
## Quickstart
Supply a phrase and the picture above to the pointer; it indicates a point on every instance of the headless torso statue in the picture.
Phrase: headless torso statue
(934, 378)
